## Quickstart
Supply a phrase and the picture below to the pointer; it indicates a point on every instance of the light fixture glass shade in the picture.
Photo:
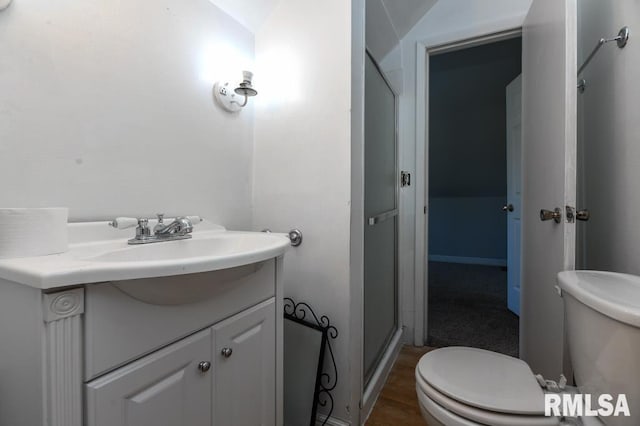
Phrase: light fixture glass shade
(245, 87)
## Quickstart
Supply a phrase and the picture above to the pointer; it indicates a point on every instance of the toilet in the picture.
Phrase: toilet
(460, 386)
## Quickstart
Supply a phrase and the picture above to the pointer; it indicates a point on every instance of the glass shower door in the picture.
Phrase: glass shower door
(381, 215)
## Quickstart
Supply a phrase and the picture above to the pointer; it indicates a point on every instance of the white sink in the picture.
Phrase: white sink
(222, 244)
(98, 253)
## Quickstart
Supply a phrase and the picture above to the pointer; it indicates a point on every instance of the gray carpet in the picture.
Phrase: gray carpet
(468, 307)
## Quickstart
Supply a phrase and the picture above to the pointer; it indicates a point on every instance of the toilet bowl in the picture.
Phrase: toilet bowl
(459, 386)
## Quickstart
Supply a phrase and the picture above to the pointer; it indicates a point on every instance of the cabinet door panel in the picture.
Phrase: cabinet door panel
(245, 384)
(166, 388)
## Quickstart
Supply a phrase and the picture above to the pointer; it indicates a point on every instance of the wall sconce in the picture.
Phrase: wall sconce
(4, 4)
(231, 99)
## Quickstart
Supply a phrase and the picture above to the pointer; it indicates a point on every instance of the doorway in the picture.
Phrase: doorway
(473, 191)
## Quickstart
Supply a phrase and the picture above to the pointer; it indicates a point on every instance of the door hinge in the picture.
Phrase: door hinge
(570, 214)
(405, 179)
(425, 210)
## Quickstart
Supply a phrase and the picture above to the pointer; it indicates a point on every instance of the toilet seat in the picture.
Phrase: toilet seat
(466, 414)
(480, 386)
(436, 415)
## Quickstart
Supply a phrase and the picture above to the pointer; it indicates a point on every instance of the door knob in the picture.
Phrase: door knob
(556, 215)
(583, 215)
(507, 208)
(204, 366)
(226, 352)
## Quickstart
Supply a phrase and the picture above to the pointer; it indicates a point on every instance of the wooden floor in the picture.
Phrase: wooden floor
(397, 404)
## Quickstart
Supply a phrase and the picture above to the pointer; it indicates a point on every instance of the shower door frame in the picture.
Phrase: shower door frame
(384, 362)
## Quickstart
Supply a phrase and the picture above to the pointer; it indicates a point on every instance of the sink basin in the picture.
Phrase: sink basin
(223, 244)
(98, 253)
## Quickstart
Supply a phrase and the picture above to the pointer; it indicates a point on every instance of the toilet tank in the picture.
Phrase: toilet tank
(602, 318)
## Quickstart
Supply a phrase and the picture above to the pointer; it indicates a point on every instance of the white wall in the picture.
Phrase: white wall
(467, 229)
(610, 129)
(388, 21)
(250, 13)
(447, 21)
(106, 107)
(381, 36)
(302, 157)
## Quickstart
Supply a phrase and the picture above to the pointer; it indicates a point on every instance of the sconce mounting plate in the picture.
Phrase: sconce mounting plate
(224, 94)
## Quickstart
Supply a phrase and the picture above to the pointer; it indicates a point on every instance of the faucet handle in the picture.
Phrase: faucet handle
(160, 218)
(194, 219)
(124, 222)
(143, 231)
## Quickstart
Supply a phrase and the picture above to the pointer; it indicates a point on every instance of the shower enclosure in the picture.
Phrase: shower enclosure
(381, 218)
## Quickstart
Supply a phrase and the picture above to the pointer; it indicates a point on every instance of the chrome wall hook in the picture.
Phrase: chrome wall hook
(621, 41)
(295, 236)
(582, 85)
(623, 37)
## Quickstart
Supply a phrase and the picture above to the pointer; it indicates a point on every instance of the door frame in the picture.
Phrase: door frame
(424, 50)
(371, 389)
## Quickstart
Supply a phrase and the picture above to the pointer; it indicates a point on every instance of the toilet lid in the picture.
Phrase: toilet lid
(483, 379)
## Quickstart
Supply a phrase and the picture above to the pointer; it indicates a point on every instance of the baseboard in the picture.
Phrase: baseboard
(379, 377)
(330, 421)
(468, 260)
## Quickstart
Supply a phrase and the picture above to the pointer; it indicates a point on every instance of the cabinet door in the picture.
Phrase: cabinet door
(167, 388)
(244, 350)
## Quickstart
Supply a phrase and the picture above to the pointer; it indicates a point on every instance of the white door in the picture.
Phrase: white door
(549, 181)
(513, 208)
(167, 388)
(245, 368)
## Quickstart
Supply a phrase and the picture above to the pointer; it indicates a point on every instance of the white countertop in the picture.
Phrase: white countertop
(98, 253)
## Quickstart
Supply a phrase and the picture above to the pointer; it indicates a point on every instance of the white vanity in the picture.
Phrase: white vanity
(183, 332)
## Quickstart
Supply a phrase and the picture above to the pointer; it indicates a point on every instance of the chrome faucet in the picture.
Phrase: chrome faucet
(180, 226)
(180, 229)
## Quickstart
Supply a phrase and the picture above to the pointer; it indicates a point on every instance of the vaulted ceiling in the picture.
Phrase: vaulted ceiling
(388, 21)
(250, 13)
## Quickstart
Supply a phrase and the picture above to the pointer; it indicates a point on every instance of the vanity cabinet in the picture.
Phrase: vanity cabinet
(166, 388)
(244, 356)
(179, 333)
(200, 349)
(224, 375)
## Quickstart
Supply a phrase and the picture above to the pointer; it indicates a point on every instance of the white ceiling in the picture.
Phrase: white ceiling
(404, 14)
(388, 21)
(250, 13)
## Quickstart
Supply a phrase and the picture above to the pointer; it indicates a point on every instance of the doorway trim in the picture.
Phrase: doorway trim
(425, 49)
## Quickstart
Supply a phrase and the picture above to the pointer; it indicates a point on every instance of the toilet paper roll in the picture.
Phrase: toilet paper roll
(33, 232)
